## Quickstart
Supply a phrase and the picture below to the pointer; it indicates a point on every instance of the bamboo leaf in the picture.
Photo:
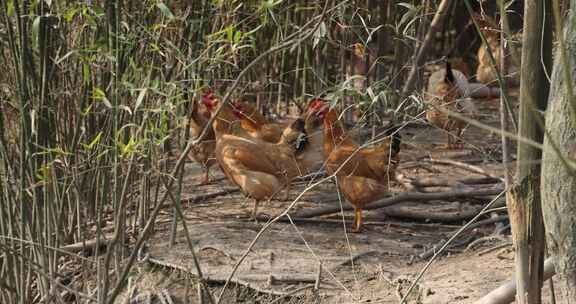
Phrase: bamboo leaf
(86, 73)
(36, 26)
(237, 36)
(59, 60)
(125, 108)
(99, 95)
(319, 34)
(140, 98)
(69, 14)
(10, 8)
(94, 142)
(165, 10)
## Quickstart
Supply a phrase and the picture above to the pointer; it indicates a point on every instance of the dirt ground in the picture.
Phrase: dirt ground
(318, 261)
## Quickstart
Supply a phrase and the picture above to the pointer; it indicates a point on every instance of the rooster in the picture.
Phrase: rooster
(363, 174)
(443, 93)
(202, 153)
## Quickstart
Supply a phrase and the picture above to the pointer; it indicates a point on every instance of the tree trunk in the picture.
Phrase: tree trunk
(558, 180)
(525, 205)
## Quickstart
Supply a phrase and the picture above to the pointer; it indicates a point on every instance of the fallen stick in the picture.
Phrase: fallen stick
(90, 244)
(350, 222)
(405, 197)
(506, 293)
(480, 90)
(240, 281)
(439, 182)
(199, 198)
(351, 260)
(436, 217)
(465, 166)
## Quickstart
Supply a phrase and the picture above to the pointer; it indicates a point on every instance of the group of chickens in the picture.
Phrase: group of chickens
(262, 157)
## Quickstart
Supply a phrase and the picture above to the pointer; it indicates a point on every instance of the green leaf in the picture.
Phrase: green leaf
(36, 26)
(69, 14)
(125, 108)
(230, 33)
(128, 148)
(237, 36)
(107, 102)
(165, 10)
(409, 6)
(10, 8)
(269, 4)
(99, 95)
(86, 73)
(140, 98)
(94, 142)
(319, 34)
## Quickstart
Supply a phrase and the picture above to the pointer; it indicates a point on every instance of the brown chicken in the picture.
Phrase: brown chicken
(260, 169)
(203, 153)
(444, 94)
(485, 73)
(312, 160)
(256, 125)
(363, 176)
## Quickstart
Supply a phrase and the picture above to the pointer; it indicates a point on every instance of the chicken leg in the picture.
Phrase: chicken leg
(448, 146)
(255, 211)
(206, 179)
(287, 192)
(357, 220)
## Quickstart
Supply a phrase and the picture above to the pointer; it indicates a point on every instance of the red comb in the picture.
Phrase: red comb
(316, 103)
(208, 99)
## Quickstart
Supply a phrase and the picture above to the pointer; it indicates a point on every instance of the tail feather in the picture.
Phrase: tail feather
(449, 78)
(300, 141)
(396, 139)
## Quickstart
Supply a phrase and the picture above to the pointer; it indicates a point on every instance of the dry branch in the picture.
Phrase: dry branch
(424, 215)
(505, 294)
(479, 90)
(440, 182)
(86, 245)
(204, 197)
(405, 197)
(464, 166)
(349, 222)
(277, 279)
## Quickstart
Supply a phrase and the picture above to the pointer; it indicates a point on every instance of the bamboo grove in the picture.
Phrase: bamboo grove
(95, 98)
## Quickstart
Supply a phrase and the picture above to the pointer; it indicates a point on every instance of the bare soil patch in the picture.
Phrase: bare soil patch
(375, 266)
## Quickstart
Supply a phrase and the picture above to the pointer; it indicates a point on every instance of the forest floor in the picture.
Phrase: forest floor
(375, 266)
